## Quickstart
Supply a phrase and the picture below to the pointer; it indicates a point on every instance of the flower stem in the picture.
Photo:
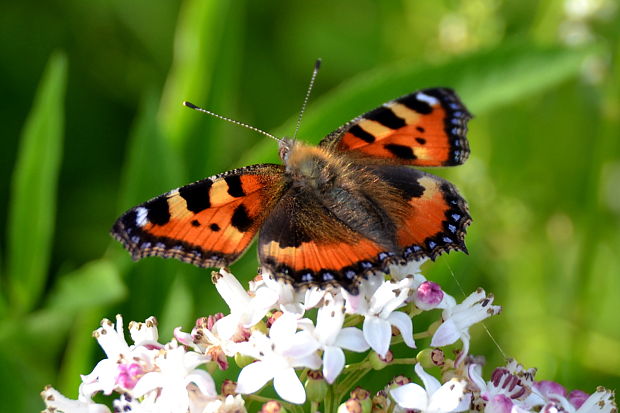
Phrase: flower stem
(349, 381)
(423, 334)
(411, 361)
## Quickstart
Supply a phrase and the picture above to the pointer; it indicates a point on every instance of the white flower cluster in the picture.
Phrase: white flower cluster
(271, 336)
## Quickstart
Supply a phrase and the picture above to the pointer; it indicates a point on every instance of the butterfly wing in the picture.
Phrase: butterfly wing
(435, 217)
(208, 223)
(424, 128)
(303, 242)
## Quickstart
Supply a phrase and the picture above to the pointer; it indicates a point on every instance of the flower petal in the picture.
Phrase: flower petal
(283, 328)
(449, 397)
(231, 291)
(287, 385)
(333, 363)
(203, 381)
(55, 401)
(300, 344)
(378, 334)
(403, 322)
(410, 396)
(431, 384)
(352, 338)
(602, 401)
(253, 377)
(446, 334)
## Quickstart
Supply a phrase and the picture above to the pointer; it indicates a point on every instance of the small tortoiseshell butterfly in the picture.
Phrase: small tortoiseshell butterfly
(333, 213)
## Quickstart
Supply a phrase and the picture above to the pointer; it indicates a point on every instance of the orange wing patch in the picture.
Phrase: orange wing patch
(208, 223)
(303, 243)
(437, 215)
(437, 223)
(425, 128)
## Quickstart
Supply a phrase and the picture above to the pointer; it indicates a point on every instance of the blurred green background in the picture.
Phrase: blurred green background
(92, 124)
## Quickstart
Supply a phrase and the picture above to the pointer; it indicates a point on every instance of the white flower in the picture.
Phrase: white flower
(245, 310)
(378, 305)
(176, 369)
(124, 364)
(602, 401)
(289, 299)
(277, 356)
(458, 318)
(433, 397)
(199, 403)
(206, 339)
(332, 337)
(56, 402)
(511, 388)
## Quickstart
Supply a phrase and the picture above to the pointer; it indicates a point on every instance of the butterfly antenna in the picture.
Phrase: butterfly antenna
(317, 66)
(236, 122)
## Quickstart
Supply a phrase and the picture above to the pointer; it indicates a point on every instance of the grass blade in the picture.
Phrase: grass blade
(33, 196)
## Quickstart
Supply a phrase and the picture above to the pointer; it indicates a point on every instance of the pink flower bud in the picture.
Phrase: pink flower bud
(428, 295)
(577, 398)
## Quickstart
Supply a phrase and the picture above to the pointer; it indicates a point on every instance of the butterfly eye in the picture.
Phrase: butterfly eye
(284, 149)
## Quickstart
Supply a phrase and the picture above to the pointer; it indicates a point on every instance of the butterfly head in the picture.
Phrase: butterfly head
(285, 145)
(310, 166)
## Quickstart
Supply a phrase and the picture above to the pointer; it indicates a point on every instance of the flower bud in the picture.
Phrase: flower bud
(229, 387)
(316, 386)
(273, 406)
(377, 362)
(577, 398)
(350, 406)
(380, 402)
(363, 396)
(428, 295)
(431, 357)
(399, 381)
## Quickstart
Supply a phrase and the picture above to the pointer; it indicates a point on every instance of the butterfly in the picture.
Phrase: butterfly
(331, 214)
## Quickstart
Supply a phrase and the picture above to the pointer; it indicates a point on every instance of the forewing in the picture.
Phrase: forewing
(424, 128)
(208, 223)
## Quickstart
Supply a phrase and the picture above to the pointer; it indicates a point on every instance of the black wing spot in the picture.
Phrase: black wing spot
(214, 227)
(386, 117)
(234, 186)
(240, 219)
(420, 129)
(415, 104)
(421, 141)
(358, 132)
(195, 223)
(400, 151)
(158, 210)
(197, 195)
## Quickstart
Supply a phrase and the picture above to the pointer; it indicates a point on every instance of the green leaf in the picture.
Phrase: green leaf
(33, 194)
(97, 283)
(483, 80)
(200, 29)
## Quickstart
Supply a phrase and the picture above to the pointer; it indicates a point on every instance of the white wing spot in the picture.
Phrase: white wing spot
(141, 216)
(426, 98)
